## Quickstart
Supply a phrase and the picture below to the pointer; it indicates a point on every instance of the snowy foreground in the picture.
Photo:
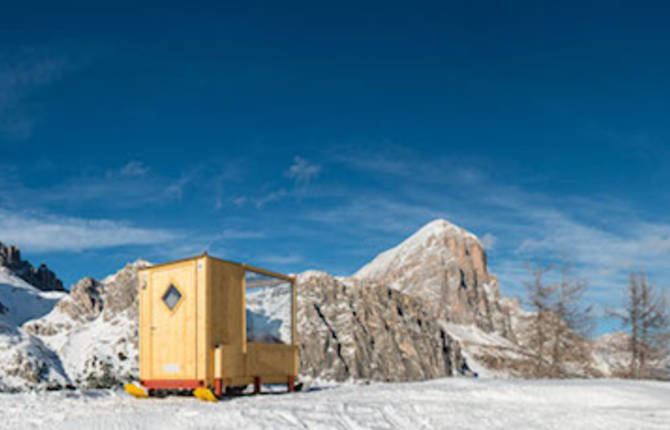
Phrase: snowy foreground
(444, 403)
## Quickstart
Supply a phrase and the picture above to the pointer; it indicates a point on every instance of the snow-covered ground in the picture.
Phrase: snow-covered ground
(445, 403)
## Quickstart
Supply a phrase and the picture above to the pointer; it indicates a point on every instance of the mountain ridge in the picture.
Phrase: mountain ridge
(41, 277)
(425, 308)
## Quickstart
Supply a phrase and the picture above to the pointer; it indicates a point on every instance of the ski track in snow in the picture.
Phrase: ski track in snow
(445, 403)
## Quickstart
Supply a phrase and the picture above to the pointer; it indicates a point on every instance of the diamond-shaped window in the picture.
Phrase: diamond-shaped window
(171, 297)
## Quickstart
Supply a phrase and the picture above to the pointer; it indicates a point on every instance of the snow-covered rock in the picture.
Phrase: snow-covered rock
(41, 277)
(94, 329)
(25, 362)
(445, 266)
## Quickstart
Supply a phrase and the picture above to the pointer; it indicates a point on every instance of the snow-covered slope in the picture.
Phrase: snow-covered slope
(25, 362)
(94, 329)
(425, 241)
(20, 301)
(457, 403)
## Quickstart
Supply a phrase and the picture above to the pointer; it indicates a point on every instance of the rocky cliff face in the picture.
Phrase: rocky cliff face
(348, 330)
(40, 277)
(445, 266)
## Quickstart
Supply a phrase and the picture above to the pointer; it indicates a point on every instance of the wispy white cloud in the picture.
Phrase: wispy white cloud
(606, 254)
(45, 233)
(240, 200)
(175, 190)
(489, 241)
(280, 259)
(128, 185)
(377, 213)
(22, 73)
(134, 168)
(398, 161)
(266, 198)
(603, 237)
(230, 233)
(303, 171)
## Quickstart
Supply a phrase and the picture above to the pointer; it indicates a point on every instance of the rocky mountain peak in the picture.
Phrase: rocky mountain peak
(40, 277)
(129, 270)
(447, 267)
(116, 293)
(121, 289)
(85, 300)
(438, 238)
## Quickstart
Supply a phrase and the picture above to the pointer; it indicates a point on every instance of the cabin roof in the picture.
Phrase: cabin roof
(243, 265)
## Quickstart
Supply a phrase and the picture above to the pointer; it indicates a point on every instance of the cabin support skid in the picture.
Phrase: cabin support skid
(257, 384)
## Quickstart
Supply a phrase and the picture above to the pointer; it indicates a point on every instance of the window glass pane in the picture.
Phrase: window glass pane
(268, 301)
(171, 297)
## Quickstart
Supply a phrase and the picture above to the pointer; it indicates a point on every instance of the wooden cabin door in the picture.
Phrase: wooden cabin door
(173, 322)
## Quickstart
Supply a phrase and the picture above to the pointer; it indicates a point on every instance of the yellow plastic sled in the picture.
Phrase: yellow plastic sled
(205, 395)
(139, 392)
(136, 391)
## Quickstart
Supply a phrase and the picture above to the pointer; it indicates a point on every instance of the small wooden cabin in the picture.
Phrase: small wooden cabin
(193, 327)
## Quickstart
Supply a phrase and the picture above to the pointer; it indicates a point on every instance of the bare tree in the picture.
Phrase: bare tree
(560, 320)
(645, 314)
(572, 321)
(538, 299)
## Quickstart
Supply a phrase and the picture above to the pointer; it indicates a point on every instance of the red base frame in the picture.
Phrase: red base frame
(173, 384)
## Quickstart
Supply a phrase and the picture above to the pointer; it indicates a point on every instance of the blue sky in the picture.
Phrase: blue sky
(299, 136)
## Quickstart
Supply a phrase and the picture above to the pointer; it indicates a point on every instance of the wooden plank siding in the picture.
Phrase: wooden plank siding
(179, 344)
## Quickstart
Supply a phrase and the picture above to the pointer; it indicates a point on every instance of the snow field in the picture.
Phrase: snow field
(445, 403)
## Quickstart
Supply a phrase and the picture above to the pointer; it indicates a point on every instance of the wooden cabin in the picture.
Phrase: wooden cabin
(194, 330)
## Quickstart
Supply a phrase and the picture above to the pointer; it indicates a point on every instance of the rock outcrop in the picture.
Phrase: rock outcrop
(85, 300)
(446, 267)
(26, 363)
(371, 332)
(94, 329)
(40, 277)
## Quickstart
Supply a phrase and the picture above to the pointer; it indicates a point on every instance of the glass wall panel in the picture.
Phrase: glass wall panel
(268, 301)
